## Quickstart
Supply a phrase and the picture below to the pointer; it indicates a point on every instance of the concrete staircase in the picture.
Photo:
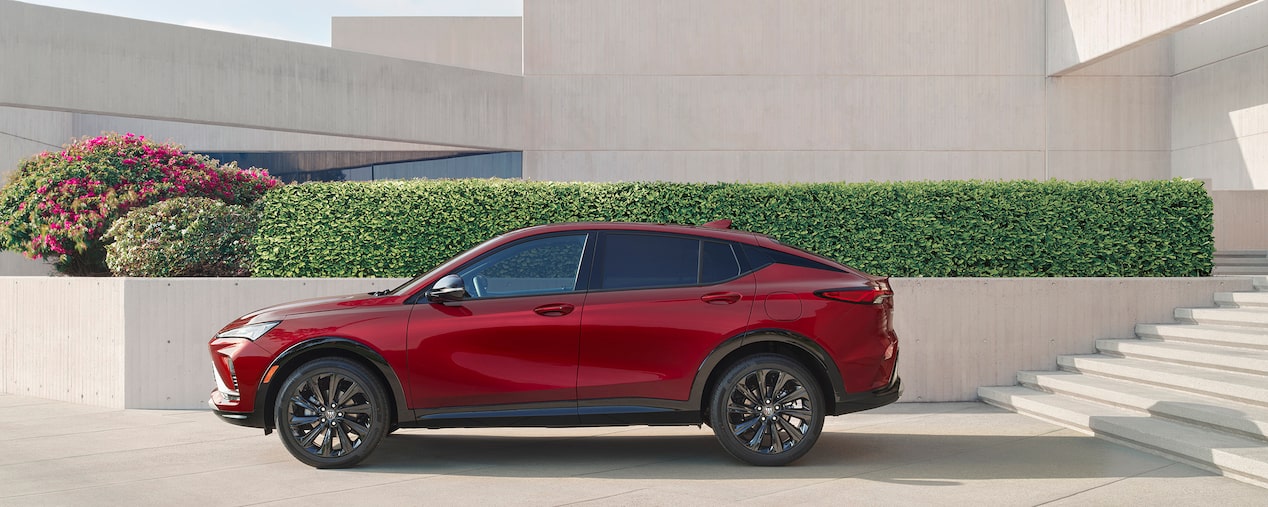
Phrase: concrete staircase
(1196, 391)
(1241, 262)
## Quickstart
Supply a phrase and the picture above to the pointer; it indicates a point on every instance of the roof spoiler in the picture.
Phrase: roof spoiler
(719, 224)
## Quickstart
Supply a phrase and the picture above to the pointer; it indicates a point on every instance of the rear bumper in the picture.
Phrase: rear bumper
(872, 399)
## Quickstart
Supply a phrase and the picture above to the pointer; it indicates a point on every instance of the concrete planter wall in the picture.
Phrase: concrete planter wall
(141, 343)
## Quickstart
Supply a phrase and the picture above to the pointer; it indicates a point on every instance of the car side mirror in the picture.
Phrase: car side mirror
(448, 288)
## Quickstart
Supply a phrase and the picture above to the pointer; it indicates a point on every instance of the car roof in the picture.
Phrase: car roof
(710, 232)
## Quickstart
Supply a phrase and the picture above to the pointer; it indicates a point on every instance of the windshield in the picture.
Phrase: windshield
(427, 273)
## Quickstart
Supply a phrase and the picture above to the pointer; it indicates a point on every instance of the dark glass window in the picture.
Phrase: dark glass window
(539, 266)
(633, 261)
(759, 257)
(718, 263)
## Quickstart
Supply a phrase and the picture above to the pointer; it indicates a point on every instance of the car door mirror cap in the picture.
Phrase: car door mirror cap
(448, 289)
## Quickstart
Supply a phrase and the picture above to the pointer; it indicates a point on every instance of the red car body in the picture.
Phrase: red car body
(613, 348)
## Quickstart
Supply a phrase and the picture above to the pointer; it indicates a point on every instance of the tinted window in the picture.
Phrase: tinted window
(759, 257)
(538, 266)
(718, 263)
(636, 260)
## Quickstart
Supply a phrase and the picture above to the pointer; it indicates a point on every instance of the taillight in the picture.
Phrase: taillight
(873, 293)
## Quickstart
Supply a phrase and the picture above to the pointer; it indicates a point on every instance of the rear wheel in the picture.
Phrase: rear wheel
(331, 413)
(767, 410)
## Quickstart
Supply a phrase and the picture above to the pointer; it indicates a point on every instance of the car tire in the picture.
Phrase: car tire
(331, 413)
(767, 410)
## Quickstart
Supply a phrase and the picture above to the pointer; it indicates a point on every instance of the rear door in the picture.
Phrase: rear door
(658, 304)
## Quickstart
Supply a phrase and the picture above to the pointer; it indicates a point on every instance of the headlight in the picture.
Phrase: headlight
(250, 332)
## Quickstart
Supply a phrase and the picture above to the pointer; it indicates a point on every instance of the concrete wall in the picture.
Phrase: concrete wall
(23, 133)
(1111, 119)
(1081, 32)
(132, 342)
(1241, 219)
(108, 65)
(494, 44)
(141, 343)
(958, 334)
(815, 90)
(822, 90)
(1219, 128)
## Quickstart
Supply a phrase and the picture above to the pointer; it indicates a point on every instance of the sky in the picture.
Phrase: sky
(305, 21)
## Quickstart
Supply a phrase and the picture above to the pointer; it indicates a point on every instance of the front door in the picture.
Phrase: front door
(513, 340)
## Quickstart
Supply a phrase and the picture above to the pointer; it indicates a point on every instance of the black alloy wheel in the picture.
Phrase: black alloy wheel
(331, 413)
(767, 410)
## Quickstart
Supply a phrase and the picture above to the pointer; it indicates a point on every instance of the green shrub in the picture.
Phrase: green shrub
(184, 236)
(944, 229)
(58, 205)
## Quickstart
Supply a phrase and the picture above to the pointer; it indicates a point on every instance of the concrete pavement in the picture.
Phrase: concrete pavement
(905, 454)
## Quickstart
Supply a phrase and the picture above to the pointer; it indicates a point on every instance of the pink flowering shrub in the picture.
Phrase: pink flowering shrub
(57, 206)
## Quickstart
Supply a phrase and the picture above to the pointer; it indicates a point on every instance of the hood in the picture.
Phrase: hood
(281, 311)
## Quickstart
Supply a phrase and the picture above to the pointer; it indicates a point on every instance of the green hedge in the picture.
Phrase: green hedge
(950, 228)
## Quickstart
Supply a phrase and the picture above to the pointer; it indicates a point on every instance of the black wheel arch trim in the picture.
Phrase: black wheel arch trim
(284, 361)
(772, 335)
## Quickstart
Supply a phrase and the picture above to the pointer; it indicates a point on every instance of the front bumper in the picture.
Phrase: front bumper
(249, 419)
(872, 399)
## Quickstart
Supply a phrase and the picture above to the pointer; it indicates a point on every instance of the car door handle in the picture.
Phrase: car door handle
(554, 309)
(721, 298)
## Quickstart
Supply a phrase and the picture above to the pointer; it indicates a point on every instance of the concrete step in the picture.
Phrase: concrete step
(1242, 299)
(1239, 387)
(1195, 354)
(1241, 261)
(1224, 316)
(1224, 415)
(1224, 254)
(1239, 271)
(1230, 336)
(1238, 457)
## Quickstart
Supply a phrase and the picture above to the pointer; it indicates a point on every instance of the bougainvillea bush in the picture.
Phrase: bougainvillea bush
(58, 205)
(184, 236)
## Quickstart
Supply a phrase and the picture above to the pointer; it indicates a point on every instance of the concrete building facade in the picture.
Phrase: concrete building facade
(694, 90)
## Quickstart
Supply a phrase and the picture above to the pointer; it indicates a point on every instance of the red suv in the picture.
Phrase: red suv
(586, 324)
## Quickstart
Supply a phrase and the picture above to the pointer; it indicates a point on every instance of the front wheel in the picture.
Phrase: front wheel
(331, 413)
(767, 410)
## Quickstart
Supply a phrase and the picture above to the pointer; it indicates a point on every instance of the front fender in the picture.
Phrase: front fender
(295, 356)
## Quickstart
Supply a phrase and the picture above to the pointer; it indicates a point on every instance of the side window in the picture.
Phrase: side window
(717, 263)
(632, 261)
(539, 266)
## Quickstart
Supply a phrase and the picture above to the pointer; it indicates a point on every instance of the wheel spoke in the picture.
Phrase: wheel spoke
(741, 409)
(776, 441)
(333, 393)
(345, 443)
(312, 435)
(316, 391)
(762, 390)
(794, 433)
(348, 395)
(779, 384)
(800, 413)
(739, 429)
(304, 404)
(363, 408)
(304, 420)
(357, 428)
(748, 393)
(325, 441)
(797, 394)
(756, 441)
